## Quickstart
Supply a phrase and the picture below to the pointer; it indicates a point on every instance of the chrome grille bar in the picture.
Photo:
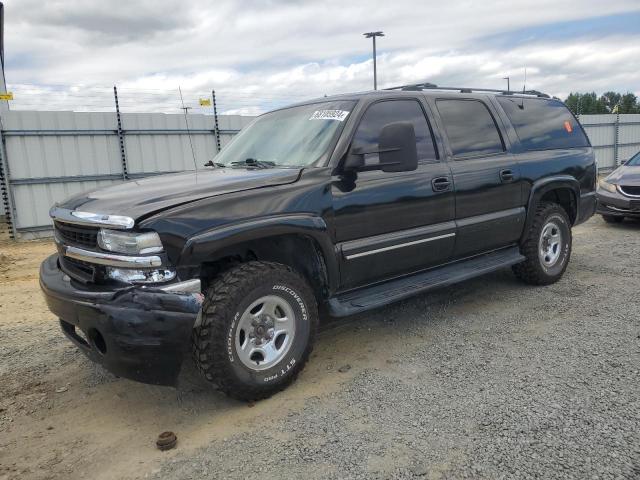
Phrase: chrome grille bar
(111, 260)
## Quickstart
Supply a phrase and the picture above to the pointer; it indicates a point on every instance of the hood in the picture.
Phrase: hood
(142, 197)
(625, 175)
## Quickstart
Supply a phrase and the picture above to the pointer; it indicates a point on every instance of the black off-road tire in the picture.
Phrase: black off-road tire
(226, 299)
(612, 219)
(533, 271)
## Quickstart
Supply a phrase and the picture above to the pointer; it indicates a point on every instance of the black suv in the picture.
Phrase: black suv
(341, 205)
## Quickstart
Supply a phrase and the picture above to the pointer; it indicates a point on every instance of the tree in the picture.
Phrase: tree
(609, 102)
(629, 104)
(572, 102)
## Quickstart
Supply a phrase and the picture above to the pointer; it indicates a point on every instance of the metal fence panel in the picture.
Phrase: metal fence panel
(60, 151)
(601, 131)
(160, 143)
(53, 155)
(33, 201)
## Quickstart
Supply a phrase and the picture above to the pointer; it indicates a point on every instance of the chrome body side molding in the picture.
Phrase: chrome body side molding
(399, 245)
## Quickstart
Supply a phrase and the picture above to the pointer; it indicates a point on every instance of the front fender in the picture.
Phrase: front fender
(202, 247)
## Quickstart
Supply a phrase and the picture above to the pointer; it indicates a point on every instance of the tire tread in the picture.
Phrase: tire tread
(210, 350)
(530, 270)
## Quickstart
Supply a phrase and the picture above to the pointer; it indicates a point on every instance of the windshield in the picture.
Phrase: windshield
(634, 161)
(296, 136)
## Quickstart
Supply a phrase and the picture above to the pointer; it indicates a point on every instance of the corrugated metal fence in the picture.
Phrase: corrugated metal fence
(48, 156)
(615, 138)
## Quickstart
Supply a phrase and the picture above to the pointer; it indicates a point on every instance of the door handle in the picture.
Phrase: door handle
(506, 175)
(441, 184)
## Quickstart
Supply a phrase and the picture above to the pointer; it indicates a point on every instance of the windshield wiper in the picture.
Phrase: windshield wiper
(211, 163)
(252, 162)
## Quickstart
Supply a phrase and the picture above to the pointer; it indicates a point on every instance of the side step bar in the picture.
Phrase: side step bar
(356, 301)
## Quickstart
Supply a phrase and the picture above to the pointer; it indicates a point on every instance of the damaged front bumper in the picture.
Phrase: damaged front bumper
(140, 333)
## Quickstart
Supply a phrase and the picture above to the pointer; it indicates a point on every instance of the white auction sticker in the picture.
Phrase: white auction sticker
(338, 115)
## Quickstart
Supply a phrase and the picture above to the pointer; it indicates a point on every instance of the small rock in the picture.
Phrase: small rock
(166, 441)
(61, 389)
(344, 368)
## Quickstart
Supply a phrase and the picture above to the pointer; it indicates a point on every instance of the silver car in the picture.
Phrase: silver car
(619, 193)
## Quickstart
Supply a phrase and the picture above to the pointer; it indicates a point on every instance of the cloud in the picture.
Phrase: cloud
(260, 54)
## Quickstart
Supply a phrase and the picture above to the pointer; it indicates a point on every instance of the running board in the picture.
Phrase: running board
(356, 301)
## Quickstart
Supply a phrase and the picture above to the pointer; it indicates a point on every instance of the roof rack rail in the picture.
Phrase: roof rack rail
(417, 87)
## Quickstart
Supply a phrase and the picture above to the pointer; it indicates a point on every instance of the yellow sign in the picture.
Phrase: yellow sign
(6, 96)
(205, 102)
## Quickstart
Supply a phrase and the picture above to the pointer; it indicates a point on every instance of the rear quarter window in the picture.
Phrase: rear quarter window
(543, 124)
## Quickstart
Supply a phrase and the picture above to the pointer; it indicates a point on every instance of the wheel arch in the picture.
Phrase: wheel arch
(299, 241)
(563, 190)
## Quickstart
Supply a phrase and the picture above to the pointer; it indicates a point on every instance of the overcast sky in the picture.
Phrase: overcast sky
(260, 54)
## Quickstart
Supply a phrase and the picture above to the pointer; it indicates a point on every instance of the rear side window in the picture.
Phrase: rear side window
(543, 124)
(470, 127)
(382, 113)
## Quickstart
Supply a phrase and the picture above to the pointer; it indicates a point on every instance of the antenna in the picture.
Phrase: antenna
(186, 121)
(524, 89)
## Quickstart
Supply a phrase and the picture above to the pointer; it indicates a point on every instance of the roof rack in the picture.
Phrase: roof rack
(417, 87)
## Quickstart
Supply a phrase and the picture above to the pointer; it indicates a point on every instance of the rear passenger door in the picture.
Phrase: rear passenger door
(489, 208)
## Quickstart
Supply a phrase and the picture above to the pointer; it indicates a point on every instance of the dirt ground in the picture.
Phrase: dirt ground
(457, 369)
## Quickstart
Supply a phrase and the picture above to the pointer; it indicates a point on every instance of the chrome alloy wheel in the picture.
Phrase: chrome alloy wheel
(265, 332)
(550, 244)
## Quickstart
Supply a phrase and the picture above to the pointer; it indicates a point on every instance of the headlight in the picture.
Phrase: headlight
(129, 242)
(609, 187)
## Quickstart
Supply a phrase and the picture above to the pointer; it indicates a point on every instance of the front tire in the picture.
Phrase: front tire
(547, 247)
(259, 321)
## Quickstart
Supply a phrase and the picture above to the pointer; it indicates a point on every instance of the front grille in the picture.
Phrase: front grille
(80, 265)
(78, 270)
(77, 235)
(630, 190)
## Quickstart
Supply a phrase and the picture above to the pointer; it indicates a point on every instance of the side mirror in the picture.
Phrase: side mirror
(396, 151)
(397, 145)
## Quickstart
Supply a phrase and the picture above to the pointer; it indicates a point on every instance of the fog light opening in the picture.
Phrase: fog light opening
(97, 340)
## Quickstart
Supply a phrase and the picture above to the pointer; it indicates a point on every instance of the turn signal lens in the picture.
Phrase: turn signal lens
(140, 276)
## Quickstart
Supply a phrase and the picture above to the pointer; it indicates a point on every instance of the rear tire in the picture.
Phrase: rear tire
(612, 219)
(259, 321)
(547, 247)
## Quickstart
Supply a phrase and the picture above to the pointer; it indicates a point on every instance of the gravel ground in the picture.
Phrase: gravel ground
(488, 379)
(496, 380)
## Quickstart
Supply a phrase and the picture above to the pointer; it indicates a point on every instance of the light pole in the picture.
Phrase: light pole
(373, 35)
(508, 86)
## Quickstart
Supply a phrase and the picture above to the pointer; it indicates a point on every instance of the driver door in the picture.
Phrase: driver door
(389, 224)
